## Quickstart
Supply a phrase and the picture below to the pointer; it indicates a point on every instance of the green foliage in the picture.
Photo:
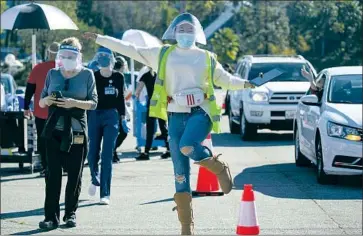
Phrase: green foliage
(225, 44)
(327, 33)
(2, 6)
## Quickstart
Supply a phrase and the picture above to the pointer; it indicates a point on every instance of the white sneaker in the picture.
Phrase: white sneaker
(105, 201)
(92, 190)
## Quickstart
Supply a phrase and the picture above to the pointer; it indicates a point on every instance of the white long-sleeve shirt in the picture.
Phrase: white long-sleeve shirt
(185, 69)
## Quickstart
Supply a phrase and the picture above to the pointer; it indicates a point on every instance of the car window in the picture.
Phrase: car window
(346, 89)
(240, 68)
(244, 71)
(5, 81)
(291, 71)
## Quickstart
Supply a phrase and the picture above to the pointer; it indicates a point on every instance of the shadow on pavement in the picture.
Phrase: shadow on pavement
(30, 232)
(262, 140)
(23, 178)
(169, 200)
(10, 171)
(36, 212)
(288, 181)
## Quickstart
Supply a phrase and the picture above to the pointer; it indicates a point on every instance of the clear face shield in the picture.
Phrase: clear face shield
(105, 60)
(185, 26)
(69, 58)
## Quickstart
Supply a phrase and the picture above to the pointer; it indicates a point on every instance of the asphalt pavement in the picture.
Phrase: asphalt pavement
(288, 199)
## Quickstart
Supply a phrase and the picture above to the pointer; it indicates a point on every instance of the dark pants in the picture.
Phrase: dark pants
(150, 130)
(73, 161)
(39, 123)
(120, 137)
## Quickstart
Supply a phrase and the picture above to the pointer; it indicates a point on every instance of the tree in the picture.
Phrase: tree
(225, 44)
(263, 28)
(327, 33)
(3, 6)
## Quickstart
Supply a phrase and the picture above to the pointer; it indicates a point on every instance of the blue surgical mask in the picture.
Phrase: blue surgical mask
(185, 40)
(104, 61)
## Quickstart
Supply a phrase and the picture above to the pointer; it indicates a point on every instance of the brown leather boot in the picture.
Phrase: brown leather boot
(220, 169)
(185, 212)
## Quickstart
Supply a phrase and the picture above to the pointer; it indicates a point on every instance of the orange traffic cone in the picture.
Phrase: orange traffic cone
(207, 184)
(247, 222)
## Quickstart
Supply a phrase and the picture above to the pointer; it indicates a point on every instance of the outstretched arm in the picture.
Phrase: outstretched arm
(309, 76)
(227, 81)
(145, 55)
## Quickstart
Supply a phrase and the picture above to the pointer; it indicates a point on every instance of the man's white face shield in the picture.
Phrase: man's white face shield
(185, 23)
(69, 58)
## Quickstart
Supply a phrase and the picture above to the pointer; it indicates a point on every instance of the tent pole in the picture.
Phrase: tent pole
(132, 66)
(34, 49)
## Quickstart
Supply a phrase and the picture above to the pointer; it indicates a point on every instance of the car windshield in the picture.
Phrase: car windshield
(346, 89)
(5, 81)
(290, 71)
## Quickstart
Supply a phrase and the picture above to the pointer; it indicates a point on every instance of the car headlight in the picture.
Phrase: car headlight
(259, 96)
(344, 132)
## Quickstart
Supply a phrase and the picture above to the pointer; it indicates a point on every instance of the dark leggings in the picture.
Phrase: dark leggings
(150, 130)
(121, 137)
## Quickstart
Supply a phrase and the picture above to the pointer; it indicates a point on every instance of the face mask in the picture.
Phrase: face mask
(69, 65)
(104, 61)
(185, 40)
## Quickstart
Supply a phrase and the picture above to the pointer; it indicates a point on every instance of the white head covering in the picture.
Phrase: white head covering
(186, 17)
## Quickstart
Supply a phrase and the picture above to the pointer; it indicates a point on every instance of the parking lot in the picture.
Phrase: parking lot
(289, 201)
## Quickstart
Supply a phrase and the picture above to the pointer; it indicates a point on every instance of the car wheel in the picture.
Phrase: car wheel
(300, 159)
(248, 131)
(233, 127)
(322, 177)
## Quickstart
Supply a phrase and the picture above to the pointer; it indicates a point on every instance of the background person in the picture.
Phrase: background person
(66, 130)
(148, 80)
(34, 87)
(104, 123)
(124, 129)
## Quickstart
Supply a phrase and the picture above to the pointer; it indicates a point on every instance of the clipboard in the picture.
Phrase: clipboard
(268, 76)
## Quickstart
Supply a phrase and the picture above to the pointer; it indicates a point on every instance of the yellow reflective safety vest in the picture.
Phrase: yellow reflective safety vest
(159, 101)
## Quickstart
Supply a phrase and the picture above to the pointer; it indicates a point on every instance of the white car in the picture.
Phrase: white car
(273, 104)
(328, 125)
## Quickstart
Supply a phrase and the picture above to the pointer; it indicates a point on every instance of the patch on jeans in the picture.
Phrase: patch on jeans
(180, 179)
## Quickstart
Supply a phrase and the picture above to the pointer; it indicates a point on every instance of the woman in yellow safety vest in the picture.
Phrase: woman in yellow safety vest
(184, 95)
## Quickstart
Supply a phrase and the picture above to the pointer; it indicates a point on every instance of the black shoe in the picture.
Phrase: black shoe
(165, 155)
(160, 137)
(42, 173)
(70, 221)
(115, 158)
(48, 225)
(143, 157)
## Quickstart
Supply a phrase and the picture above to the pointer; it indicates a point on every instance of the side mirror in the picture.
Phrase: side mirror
(310, 100)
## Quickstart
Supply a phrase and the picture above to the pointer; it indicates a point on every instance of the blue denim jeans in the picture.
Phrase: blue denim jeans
(102, 124)
(187, 131)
